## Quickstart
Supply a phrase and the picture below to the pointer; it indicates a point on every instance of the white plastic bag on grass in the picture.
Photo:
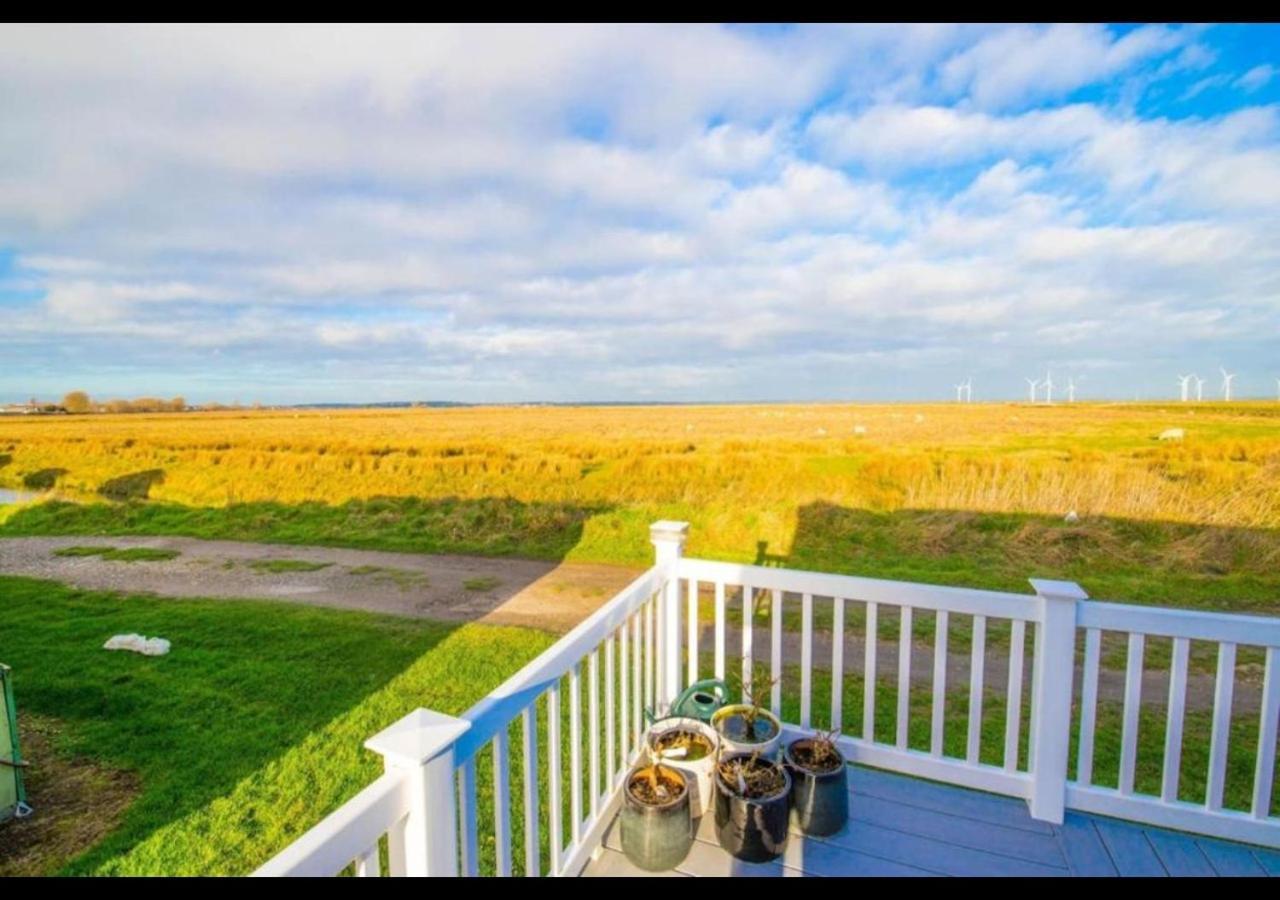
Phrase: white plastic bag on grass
(156, 646)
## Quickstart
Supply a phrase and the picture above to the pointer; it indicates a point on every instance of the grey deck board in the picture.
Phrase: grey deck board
(1269, 860)
(902, 826)
(1129, 848)
(1230, 859)
(1179, 853)
(958, 830)
(956, 801)
(1086, 855)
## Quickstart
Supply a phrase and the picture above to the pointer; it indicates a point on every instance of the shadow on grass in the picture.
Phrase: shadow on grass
(489, 526)
(246, 681)
(1128, 560)
(134, 486)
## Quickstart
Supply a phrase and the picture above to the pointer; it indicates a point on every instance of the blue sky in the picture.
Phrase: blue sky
(494, 214)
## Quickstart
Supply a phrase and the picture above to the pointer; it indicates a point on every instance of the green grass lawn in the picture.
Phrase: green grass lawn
(252, 728)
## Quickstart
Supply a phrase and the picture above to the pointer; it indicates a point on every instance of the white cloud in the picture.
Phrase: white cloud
(496, 212)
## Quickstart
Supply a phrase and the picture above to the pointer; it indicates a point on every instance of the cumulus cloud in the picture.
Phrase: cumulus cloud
(591, 212)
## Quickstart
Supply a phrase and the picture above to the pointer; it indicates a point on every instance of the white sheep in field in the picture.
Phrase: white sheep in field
(1172, 434)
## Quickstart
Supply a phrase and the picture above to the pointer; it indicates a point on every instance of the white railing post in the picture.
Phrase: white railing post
(1051, 685)
(668, 543)
(420, 746)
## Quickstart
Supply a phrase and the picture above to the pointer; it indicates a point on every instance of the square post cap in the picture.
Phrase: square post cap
(1058, 590)
(669, 532)
(417, 738)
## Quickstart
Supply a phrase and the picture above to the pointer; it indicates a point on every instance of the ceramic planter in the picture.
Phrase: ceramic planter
(752, 829)
(697, 771)
(730, 725)
(820, 800)
(656, 837)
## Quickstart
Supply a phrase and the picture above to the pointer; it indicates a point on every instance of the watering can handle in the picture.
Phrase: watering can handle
(713, 686)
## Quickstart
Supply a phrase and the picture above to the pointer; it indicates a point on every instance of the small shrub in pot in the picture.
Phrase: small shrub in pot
(820, 784)
(753, 806)
(656, 823)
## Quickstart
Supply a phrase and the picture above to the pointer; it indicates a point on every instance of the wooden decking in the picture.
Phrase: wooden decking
(905, 826)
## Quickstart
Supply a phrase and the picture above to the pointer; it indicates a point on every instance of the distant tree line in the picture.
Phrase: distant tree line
(80, 402)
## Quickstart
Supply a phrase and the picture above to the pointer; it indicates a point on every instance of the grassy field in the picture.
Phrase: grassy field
(252, 729)
(973, 495)
(249, 731)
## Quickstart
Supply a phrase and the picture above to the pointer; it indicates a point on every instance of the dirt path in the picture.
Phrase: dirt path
(552, 596)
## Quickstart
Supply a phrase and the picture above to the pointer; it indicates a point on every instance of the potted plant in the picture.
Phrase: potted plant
(748, 728)
(656, 824)
(688, 745)
(820, 783)
(753, 806)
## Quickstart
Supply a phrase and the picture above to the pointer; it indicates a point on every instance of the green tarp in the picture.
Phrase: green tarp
(11, 792)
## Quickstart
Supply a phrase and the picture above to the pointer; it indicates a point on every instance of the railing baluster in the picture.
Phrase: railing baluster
(367, 865)
(869, 676)
(977, 660)
(555, 798)
(624, 711)
(637, 682)
(1132, 706)
(939, 709)
(659, 654)
(691, 650)
(748, 632)
(1221, 738)
(650, 660)
(720, 625)
(501, 805)
(1264, 771)
(530, 747)
(397, 864)
(1088, 706)
(593, 735)
(775, 652)
(575, 753)
(904, 676)
(1173, 723)
(837, 663)
(467, 817)
(1013, 699)
(610, 762)
(806, 657)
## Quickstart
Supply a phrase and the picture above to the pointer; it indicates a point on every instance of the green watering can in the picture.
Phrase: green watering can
(701, 699)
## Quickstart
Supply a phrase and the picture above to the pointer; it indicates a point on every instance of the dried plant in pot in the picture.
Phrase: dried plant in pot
(656, 823)
(690, 746)
(748, 727)
(753, 805)
(820, 783)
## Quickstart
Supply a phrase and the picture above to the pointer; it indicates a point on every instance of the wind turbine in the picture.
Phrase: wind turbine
(1048, 387)
(960, 392)
(1071, 389)
(1199, 388)
(1032, 383)
(1227, 378)
(1184, 381)
(968, 390)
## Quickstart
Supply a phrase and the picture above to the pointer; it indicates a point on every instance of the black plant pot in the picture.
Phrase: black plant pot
(752, 830)
(657, 837)
(820, 799)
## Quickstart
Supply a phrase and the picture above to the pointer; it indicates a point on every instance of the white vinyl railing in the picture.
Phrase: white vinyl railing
(641, 648)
